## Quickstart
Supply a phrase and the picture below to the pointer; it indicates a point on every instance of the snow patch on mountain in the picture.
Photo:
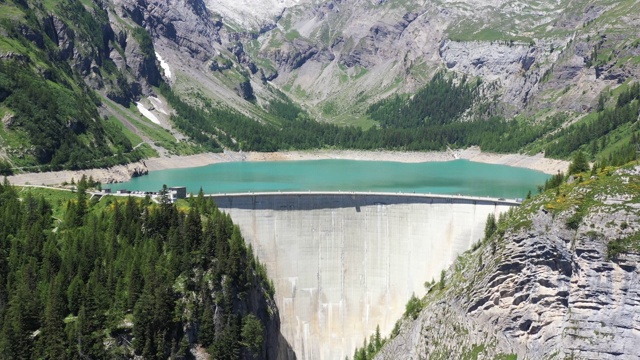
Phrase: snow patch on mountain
(148, 114)
(165, 66)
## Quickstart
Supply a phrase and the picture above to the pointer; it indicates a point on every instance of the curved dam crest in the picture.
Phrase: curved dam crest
(344, 263)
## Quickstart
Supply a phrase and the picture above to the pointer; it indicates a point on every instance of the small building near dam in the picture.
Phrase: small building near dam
(178, 192)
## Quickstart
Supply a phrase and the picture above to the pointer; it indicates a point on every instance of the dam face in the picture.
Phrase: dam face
(344, 263)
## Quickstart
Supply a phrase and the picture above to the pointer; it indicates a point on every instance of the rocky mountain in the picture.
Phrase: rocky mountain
(334, 59)
(339, 56)
(547, 64)
(557, 279)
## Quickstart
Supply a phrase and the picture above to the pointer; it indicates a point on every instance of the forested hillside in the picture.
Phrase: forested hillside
(592, 134)
(124, 278)
(429, 120)
(53, 57)
(75, 77)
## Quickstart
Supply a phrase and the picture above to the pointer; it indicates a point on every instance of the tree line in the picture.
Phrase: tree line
(214, 126)
(441, 101)
(592, 134)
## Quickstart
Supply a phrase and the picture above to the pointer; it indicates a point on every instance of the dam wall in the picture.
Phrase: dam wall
(344, 263)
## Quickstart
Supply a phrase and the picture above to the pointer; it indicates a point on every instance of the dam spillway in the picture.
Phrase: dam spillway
(344, 262)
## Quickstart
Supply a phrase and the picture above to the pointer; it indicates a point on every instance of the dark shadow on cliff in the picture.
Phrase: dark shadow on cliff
(311, 201)
(285, 351)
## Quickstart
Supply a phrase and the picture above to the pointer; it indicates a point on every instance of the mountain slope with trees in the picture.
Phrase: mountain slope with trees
(56, 58)
(71, 71)
(124, 278)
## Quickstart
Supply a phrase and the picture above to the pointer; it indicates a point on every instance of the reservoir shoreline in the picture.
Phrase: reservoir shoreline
(126, 172)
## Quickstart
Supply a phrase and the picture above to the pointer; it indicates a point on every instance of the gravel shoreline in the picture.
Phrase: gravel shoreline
(125, 172)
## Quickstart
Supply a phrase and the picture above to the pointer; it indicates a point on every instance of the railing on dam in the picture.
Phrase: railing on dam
(397, 197)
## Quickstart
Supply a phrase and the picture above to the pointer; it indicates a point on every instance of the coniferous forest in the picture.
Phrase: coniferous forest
(427, 121)
(119, 278)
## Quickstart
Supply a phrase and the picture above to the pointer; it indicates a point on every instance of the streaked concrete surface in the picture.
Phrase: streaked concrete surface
(343, 263)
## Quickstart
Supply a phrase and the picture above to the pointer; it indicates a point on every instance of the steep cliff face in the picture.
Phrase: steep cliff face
(559, 279)
(93, 39)
(186, 23)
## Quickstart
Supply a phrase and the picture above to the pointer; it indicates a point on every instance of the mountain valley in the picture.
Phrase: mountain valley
(108, 84)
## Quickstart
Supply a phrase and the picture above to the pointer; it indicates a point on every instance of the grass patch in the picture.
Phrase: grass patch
(473, 354)
(147, 151)
(159, 135)
(358, 120)
(57, 198)
(133, 137)
(292, 35)
(330, 108)
(11, 12)
(506, 357)
(468, 33)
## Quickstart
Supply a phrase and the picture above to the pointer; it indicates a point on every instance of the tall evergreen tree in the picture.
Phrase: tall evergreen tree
(53, 337)
(579, 164)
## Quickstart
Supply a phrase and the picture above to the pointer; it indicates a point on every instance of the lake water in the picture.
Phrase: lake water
(451, 177)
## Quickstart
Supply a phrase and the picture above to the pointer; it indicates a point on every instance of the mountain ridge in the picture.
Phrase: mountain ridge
(333, 60)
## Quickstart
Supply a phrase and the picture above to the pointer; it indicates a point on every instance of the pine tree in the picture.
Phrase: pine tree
(135, 283)
(143, 314)
(192, 230)
(252, 334)
(579, 164)
(206, 334)
(490, 227)
(53, 337)
(74, 295)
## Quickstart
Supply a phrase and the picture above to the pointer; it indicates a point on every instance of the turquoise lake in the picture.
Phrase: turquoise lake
(451, 177)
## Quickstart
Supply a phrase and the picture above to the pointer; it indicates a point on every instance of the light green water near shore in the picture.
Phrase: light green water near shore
(451, 177)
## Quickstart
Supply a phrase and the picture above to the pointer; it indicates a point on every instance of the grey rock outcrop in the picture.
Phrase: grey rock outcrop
(186, 23)
(546, 289)
(245, 90)
(513, 66)
(294, 55)
(533, 57)
(62, 36)
(380, 42)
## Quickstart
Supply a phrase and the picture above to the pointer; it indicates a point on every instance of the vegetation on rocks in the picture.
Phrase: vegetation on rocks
(62, 125)
(582, 227)
(591, 135)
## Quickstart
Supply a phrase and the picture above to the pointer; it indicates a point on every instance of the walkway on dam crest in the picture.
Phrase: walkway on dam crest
(399, 195)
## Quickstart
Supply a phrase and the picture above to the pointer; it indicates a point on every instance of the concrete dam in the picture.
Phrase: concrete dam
(344, 263)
